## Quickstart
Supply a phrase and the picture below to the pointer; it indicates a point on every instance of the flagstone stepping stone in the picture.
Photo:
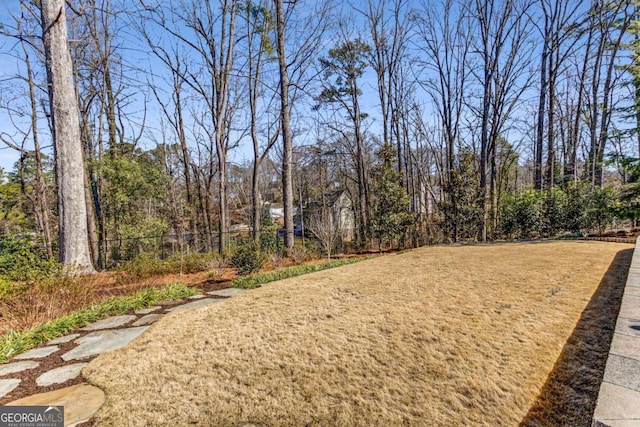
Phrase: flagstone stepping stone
(196, 296)
(110, 323)
(60, 375)
(64, 339)
(38, 353)
(148, 310)
(229, 292)
(101, 341)
(12, 368)
(7, 386)
(196, 304)
(80, 402)
(147, 320)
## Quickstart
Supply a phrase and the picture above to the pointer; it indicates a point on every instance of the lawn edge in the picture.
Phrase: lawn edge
(13, 343)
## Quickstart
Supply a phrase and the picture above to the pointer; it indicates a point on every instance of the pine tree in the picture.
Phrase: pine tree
(391, 205)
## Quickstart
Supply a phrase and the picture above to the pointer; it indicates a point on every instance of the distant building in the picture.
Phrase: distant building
(340, 206)
(274, 210)
(344, 215)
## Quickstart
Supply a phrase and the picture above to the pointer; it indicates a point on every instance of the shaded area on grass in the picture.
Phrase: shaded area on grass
(568, 397)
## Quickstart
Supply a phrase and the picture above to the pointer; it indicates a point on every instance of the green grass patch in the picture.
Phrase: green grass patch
(258, 279)
(16, 342)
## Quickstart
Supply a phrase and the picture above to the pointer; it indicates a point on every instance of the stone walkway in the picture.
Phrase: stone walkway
(61, 383)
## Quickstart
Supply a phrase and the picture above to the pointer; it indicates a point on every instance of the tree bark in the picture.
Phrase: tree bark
(541, 108)
(285, 123)
(73, 235)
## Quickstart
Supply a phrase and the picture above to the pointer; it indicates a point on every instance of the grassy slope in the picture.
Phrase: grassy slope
(443, 336)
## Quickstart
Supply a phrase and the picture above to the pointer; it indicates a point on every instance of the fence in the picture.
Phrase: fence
(112, 251)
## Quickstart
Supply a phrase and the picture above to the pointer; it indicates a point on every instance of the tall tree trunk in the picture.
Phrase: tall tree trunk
(595, 114)
(538, 181)
(74, 241)
(285, 124)
(104, 50)
(186, 162)
(255, 199)
(607, 108)
(362, 177)
(574, 131)
(254, 74)
(551, 148)
(94, 239)
(494, 194)
(223, 221)
(41, 205)
(484, 151)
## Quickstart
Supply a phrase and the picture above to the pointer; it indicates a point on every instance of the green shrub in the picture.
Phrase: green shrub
(142, 267)
(258, 279)
(520, 215)
(601, 209)
(575, 210)
(552, 216)
(312, 249)
(193, 262)
(9, 288)
(22, 260)
(247, 258)
(147, 265)
(268, 236)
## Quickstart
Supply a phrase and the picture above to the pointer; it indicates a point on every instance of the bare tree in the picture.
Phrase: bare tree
(442, 33)
(295, 56)
(285, 125)
(74, 241)
(174, 114)
(503, 57)
(39, 198)
(611, 22)
(558, 42)
(324, 227)
(211, 37)
(389, 27)
(259, 23)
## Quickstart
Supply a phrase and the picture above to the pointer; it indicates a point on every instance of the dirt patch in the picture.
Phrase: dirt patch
(441, 336)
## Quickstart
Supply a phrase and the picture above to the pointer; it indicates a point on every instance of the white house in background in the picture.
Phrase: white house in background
(274, 210)
(243, 228)
(343, 215)
(339, 205)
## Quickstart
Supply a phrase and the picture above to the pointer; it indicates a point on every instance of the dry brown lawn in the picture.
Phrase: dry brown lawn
(442, 336)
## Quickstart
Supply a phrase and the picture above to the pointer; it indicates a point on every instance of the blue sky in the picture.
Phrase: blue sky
(135, 54)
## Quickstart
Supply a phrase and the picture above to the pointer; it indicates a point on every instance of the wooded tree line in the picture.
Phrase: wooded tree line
(442, 120)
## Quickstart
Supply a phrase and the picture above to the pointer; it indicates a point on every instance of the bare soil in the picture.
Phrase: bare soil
(495, 335)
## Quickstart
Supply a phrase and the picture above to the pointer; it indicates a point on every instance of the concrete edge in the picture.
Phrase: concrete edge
(618, 401)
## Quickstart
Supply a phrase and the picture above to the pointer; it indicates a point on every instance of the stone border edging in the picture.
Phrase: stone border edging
(618, 401)
(631, 240)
